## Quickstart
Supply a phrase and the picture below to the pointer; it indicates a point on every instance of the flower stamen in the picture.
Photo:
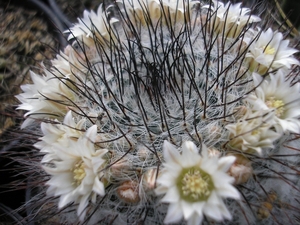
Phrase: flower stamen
(276, 104)
(256, 132)
(79, 173)
(195, 185)
(269, 50)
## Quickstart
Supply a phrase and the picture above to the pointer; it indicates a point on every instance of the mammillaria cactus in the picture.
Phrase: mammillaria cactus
(164, 111)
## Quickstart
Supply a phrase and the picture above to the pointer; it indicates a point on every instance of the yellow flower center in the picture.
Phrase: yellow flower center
(78, 173)
(194, 184)
(276, 104)
(255, 132)
(269, 50)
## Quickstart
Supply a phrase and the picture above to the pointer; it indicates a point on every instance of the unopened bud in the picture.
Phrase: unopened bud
(241, 170)
(149, 178)
(128, 192)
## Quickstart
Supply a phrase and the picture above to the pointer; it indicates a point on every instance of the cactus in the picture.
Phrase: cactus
(163, 112)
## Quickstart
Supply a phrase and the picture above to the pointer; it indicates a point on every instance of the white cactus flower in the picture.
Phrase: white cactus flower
(230, 18)
(178, 10)
(141, 11)
(48, 97)
(253, 132)
(270, 52)
(76, 172)
(93, 26)
(155, 10)
(194, 184)
(59, 134)
(277, 93)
